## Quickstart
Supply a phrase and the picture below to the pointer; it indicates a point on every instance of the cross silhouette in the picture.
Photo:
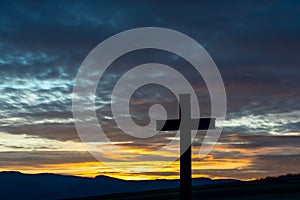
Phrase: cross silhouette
(185, 124)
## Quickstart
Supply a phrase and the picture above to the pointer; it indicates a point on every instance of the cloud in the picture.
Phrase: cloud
(42, 45)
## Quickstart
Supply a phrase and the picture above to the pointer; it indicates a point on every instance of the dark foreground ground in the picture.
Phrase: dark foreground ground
(283, 188)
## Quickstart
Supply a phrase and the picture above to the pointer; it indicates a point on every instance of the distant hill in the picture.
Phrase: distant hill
(16, 186)
(271, 188)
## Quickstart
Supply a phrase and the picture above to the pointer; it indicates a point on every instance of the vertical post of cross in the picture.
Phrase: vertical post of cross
(185, 147)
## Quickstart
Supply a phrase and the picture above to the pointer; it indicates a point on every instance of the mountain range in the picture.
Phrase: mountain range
(16, 185)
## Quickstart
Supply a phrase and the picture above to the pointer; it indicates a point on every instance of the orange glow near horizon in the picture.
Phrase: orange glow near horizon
(93, 169)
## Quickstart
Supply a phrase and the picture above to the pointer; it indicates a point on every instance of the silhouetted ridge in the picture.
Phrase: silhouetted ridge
(54, 186)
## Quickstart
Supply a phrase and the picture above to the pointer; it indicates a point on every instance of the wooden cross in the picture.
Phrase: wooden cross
(185, 124)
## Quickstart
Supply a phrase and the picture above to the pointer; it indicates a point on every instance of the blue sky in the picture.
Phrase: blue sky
(255, 45)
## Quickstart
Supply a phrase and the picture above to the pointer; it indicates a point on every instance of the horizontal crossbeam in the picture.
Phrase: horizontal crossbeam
(174, 124)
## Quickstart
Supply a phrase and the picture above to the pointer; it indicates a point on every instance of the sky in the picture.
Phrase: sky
(255, 45)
